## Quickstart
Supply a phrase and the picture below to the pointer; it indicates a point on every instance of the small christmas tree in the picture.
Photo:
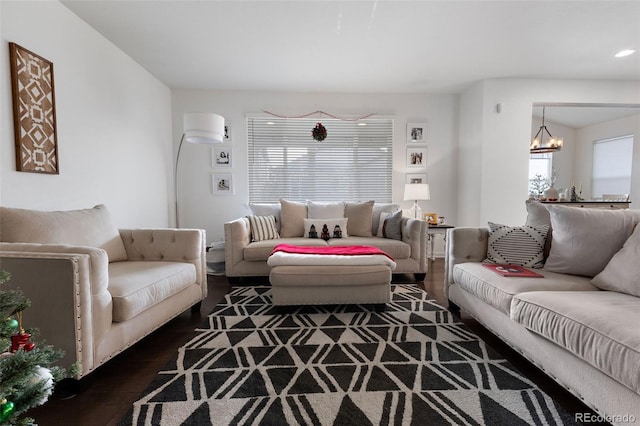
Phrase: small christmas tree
(27, 374)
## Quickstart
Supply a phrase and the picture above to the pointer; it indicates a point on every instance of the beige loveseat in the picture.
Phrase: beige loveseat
(580, 324)
(96, 290)
(246, 257)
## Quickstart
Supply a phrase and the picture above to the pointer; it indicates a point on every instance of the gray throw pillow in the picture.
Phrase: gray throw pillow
(360, 217)
(392, 226)
(585, 240)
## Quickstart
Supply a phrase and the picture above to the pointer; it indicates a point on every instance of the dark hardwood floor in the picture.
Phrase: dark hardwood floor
(108, 393)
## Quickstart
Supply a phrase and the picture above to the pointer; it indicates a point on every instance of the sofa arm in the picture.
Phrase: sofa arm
(464, 245)
(414, 233)
(237, 235)
(170, 245)
(67, 287)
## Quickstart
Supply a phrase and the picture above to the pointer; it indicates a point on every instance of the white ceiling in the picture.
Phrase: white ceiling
(368, 46)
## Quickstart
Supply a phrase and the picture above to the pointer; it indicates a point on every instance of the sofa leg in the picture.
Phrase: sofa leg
(233, 280)
(379, 307)
(453, 306)
(67, 388)
(196, 308)
(420, 277)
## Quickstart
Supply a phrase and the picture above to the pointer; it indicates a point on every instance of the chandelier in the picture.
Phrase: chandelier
(543, 141)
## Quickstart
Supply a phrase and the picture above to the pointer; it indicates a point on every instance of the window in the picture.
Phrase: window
(353, 163)
(539, 169)
(612, 159)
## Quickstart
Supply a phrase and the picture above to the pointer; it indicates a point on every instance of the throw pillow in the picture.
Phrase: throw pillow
(360, 217)
(392, 226)
(326, 228)
(325, 210)
(585, 240)
(378, 209)
(266, 209)
(88, 227)
(538, 215)
(263, 228)
(517, 245)
(292, 215)
(622, 272)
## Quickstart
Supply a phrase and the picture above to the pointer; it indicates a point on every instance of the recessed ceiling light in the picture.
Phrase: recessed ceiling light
(623, 53)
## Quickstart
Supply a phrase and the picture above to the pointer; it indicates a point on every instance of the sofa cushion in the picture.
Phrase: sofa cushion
(517, 245)
(600, 327)
(260, 251)
(584, 240)
(138, 285)
(538, 215)
(325, 210)
(394, 248)
(622, 273)
(292, 215)
(326, 228)
(267, 209)
(378, 209)
(88, 227)
(360, 217)
(263, 227)
(498, 291)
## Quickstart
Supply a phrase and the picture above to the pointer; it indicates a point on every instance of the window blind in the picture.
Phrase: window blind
(612, 162)
(353, 163)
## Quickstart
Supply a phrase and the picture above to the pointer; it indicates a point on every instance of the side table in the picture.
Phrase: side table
(432, 231)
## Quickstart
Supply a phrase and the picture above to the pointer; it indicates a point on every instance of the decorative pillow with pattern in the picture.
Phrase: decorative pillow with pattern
(326, 228)
(263, 228)
(517, 245)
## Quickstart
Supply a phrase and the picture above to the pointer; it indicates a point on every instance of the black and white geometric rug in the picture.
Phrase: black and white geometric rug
(339, 365)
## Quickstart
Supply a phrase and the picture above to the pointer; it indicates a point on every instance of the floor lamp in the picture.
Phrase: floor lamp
(415, 192)
(201, 128)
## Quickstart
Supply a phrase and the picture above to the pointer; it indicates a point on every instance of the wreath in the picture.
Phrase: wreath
(319, 132)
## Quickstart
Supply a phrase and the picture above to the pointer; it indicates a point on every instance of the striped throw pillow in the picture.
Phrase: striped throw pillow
(517, 245)
(263, 228)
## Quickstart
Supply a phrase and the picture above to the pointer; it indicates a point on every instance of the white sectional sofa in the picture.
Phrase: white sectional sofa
(405, 241)
(96, 290)
(580, 324)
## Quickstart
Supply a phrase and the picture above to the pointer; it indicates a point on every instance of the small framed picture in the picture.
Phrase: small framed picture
(417, 158)
(416, 178)
(221, 156)
(432, 218)
(416, 132)
(222, 184)
(227, 131)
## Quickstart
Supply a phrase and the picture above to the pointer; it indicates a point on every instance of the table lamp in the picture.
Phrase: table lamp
(416, 192)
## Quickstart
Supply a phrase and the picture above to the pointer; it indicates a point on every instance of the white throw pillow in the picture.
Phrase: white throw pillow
(585, 240)
(360, 218)
(326, 228)
(325, 210)
(622, 273)
(263, 228)
(517, 245)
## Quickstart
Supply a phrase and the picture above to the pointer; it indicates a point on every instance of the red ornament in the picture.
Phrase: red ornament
(21, 341)
(319, 132)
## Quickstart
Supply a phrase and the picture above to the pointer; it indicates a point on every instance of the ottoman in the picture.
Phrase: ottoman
(317, 279)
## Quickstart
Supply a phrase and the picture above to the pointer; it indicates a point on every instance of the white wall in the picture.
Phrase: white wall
(503, 171)
(114, 122)
(584, 152)
(200, 208)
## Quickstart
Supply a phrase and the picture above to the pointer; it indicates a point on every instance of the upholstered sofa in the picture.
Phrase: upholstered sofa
(580, 323)
(96, 290)
(361, 223)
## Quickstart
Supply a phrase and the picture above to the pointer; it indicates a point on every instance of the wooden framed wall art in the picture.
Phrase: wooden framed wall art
(34, 112)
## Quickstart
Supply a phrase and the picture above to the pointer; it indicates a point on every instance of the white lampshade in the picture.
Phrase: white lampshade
(416, 191)
(204, 128)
